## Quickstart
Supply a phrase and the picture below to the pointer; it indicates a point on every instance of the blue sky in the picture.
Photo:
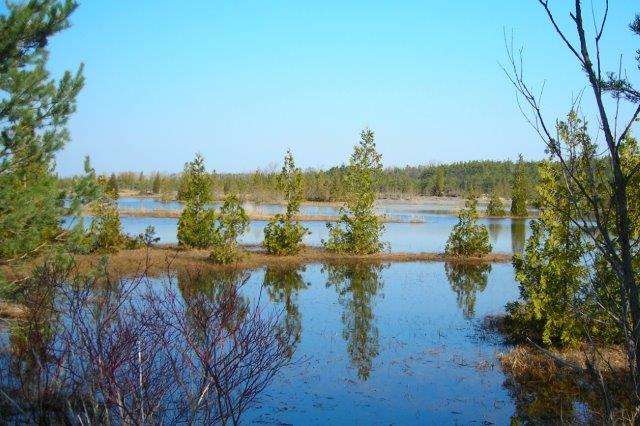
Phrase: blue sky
(242, 81)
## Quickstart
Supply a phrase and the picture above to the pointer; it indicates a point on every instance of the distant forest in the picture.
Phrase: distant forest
(461, 178)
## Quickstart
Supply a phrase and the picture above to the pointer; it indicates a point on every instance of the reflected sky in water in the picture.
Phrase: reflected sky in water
(385, 344)
(505, 234)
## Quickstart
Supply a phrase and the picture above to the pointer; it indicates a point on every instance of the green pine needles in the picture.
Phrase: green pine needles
(561, 295)
(104, 233)
(199, 225)
(519, 190)
(358, 230)
(283, 234)
(196, 227)
(231, 222)
(467, 237)
(495, 208)
(34, 112)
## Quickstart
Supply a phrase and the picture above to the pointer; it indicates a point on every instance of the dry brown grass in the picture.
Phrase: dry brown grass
(528, 363)
(545, 390)
(170, 257)
(12, 310)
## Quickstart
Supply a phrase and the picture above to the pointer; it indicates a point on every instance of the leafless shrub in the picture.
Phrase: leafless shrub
(125, 352)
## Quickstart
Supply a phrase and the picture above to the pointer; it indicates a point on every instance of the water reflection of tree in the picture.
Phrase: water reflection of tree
(518, 228)
(357, 285)
(283, 286)
(466, 280)
(213, 286)
(494, 228)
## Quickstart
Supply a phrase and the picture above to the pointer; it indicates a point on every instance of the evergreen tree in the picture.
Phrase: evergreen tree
(562, 299)
(550, 271)
(196, 224)
(104, 232)
(467, 237)
(358, 231)
(438, 187)
(34, 110)
(519, 190)
(232, 222)
(283, 234)
(156, 186)
(495, 208)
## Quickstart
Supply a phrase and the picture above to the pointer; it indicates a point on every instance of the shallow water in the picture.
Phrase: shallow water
(400, 211)
(388, 344)
(505, 235)
(398, 343)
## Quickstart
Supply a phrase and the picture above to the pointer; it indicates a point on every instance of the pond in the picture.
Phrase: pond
(506, 235)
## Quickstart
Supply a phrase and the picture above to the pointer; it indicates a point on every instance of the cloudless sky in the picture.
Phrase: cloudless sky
(242, 81)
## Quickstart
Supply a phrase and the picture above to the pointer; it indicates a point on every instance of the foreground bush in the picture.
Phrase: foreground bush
(114, 352)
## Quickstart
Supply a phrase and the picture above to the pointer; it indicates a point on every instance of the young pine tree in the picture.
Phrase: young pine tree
(196, 224)
(104, 233)
(550, 271)
(283, 234)
(438, 186)
(495, 208)
(358, 231)
(565, 300)
(519, 190)
(231, 223)
(467, 237)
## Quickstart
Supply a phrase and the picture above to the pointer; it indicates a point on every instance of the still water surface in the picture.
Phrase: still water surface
(383, 344)
(505, 235)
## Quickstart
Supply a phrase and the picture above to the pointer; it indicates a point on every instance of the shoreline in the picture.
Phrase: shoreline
(165, 257)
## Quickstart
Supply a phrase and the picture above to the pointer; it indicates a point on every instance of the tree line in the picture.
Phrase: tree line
(485, 177)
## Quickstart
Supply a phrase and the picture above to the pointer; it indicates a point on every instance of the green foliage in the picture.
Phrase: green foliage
(485, 177)
(560, 305)
(467, 237)
(358, 231)
(104, 232)
(112, 185)
(519, 190)
(231, 222)
(149, 237)
(34, 110)
(283, 234)
(438, 187)
(495, 208)
(196, 224)
(550, 271)
(157, 183)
